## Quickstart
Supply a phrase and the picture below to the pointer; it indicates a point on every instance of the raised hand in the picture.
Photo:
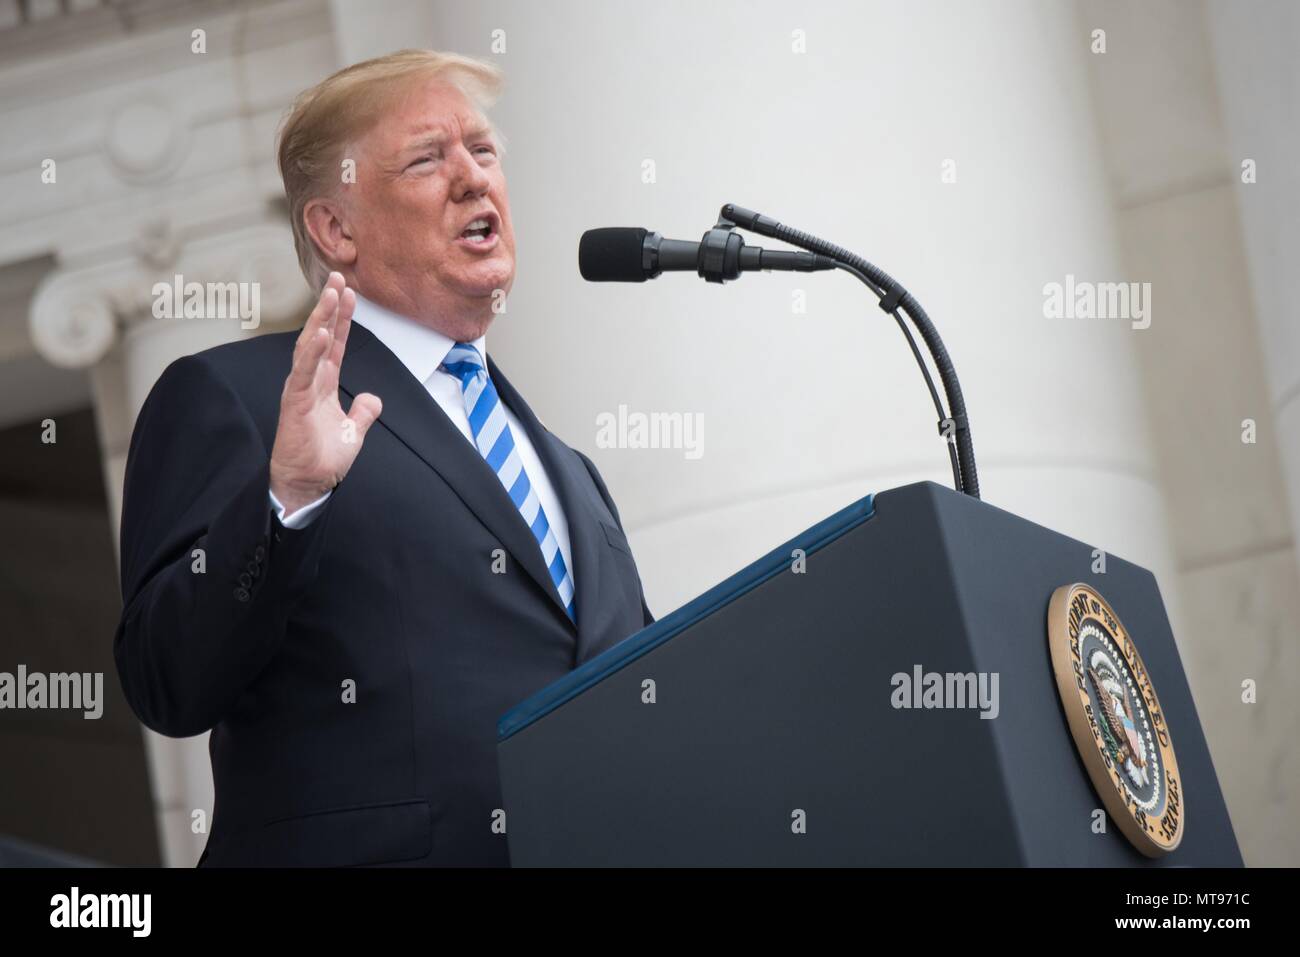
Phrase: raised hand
(316, 442)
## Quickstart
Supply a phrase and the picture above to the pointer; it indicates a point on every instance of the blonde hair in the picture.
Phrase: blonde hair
(334, 113)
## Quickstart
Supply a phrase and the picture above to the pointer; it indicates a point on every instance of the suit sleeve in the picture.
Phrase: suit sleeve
(209, 577)
(613, 510)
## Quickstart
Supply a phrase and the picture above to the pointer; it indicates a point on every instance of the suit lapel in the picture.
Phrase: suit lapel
(573, 485)
(412, 415)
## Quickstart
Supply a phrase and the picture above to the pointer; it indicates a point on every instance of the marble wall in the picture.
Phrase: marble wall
(1176, 180)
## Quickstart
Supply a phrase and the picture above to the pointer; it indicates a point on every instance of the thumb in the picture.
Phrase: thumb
(366, 407)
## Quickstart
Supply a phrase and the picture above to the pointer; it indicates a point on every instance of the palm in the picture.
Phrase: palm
(316, 441)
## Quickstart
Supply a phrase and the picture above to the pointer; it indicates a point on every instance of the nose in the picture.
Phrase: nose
(469, 179)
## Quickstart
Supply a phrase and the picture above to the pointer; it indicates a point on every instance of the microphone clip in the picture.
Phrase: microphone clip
(719, 257)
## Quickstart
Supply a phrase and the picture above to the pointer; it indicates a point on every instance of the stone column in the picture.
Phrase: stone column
(101, 318)
(1259, 86)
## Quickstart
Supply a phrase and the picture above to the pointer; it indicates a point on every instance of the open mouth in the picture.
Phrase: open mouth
(480, 231)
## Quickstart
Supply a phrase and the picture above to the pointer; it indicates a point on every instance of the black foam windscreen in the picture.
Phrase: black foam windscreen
(612, 254)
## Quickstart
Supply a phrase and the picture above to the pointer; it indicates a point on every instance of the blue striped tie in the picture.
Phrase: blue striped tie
(487, 420)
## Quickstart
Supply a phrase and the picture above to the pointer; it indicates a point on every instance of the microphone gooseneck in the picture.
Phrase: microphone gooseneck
(892, 297)
(634, 254)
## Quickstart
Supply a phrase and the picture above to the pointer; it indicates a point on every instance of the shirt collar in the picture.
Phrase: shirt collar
(419, 347)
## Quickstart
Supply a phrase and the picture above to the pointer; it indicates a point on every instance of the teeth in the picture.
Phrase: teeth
(473, 235)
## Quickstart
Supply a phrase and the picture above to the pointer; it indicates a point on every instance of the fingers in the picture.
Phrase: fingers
(366, 407)
(311, 342)
(325, 306)
(343, 325)
(306, 359)
(316, 336)
(331, 320)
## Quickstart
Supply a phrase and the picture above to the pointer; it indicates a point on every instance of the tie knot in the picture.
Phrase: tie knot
(463, 361)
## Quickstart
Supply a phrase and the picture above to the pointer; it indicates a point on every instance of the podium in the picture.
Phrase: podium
(777, 720)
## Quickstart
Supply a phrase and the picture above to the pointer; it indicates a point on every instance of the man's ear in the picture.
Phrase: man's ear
(328, 227)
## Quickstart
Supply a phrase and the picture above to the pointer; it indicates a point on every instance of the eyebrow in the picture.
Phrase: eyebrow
(439, 138)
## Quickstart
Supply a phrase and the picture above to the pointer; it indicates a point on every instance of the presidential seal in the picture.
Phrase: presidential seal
(1116, 719)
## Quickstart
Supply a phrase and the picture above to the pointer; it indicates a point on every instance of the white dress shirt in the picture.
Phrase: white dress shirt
(422, 349)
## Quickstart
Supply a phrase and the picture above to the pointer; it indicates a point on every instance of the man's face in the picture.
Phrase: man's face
(425, 172)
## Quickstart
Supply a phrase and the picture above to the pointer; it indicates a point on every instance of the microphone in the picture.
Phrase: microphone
(633, 254)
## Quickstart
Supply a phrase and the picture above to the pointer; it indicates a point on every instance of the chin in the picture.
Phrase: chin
(482, 284)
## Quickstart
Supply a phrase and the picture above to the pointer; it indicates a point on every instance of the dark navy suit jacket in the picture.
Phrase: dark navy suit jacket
(393, 588)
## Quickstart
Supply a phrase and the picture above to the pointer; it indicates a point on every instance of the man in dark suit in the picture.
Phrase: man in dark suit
(349, 600)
